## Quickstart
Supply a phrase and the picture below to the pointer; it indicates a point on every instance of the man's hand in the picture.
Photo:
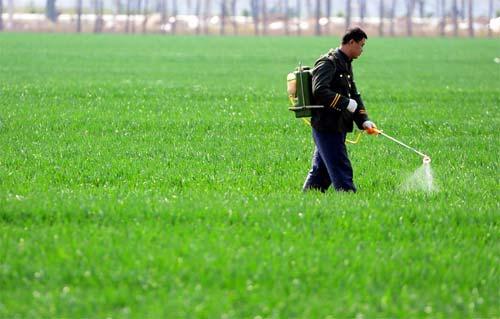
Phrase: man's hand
(370, 128)
(353, 105)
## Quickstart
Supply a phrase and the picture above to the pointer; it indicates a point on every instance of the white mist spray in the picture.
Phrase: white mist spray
(422, 179)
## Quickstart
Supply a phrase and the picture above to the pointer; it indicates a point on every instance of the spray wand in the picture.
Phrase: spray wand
(375, 131)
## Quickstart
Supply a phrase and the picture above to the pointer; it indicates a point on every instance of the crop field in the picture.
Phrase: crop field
(155, 177)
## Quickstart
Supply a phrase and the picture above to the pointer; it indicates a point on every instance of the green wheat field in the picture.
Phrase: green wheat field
(160, 177)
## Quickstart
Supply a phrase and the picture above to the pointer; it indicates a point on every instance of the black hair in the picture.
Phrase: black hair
(355, 34)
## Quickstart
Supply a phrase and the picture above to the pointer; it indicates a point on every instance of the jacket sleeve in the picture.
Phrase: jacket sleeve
(360, 115)
(323, 74)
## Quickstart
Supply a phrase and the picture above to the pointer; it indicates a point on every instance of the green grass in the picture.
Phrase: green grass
(160, 177)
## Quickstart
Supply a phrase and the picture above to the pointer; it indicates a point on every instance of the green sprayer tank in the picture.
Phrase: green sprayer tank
(299, 87)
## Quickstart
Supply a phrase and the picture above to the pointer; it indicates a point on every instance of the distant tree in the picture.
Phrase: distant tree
(392, 17)
(137, 10)
(78, 16)
(223, 14)
(471, 18)
(454, 17)
(362, 11)
(10, 9)
(490, 16)
(462, 10)
(127, 22)
(410, 7)
(317, 30)
(421, 8)
(285, 17)
(200, 17)
(255, 6)
(309, 8)
(163, 15)
(98, 11)
(298, 8)
(174, 17)
(146, 16)
(328, 12)
(208, 3)
(51, 11)
(234, 13)
(381, 14)
(116, 11)
(442, 27)
(348, 14)
(264, 17)
(1, 12)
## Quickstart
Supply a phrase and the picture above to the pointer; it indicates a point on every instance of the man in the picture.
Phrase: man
(334, 88)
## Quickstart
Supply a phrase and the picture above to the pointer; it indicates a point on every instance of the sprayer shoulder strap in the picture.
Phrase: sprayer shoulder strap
(324, 60)
(338, 63)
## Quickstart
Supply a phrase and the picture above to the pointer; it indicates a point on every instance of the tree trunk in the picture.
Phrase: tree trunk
(490, 16)
(200, 18)
(462, 10)
(116, 11)
(163, 15)
(264, 17)
(51, 11)
(298, 16)
(421, 8)
(285, 17)
(223, 17)
(78, 16)
(98, 5)
(234, 14)
(137, 12)
(1, 12)
(317, 30)
(255, 15)
(96, 13)
(146, 16)
(393, 16)
(410, 6)
(10, 10)
(381, 23)
(309, 9)
(362, 11)
(133, 16)
(471, 19)
(436, 9)
(101, 16)
(174, 15)
(328, 13)
(348, 14)
(207, 16)
(454, 15)
(127, 22)
(443, 18)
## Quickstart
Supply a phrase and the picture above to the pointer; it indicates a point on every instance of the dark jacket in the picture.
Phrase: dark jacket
(333, 85)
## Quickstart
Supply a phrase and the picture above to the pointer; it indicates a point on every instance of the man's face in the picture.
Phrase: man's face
(357, 48)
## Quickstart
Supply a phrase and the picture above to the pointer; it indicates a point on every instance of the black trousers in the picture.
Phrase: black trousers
(330, 163)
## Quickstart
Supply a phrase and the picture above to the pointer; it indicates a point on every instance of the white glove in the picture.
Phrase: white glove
(368, 125)
(353, 105)
(371, 128)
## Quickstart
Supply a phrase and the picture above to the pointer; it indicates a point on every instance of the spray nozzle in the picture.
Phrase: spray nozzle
(426, 159)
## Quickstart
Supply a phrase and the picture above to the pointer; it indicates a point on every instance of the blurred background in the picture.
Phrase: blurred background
(469, 18)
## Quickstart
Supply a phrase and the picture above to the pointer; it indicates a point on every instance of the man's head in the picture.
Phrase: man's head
(353, 41)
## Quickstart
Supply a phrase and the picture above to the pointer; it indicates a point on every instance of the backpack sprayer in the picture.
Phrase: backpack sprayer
(301, 78)
(299, 88)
